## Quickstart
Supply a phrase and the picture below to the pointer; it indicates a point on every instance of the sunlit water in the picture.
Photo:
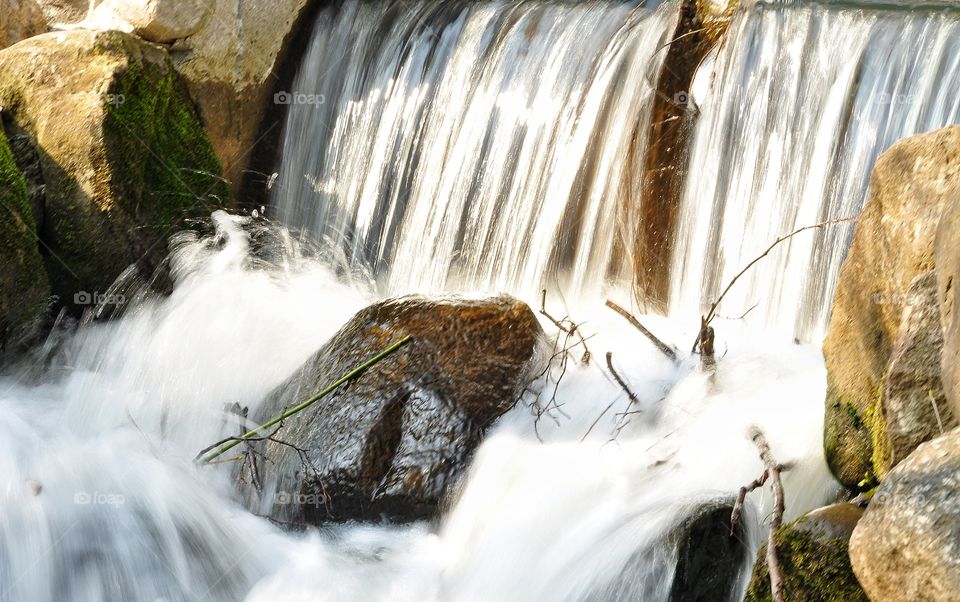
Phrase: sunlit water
(486, 157)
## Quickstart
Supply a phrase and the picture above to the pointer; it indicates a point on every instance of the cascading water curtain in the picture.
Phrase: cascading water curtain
(458, 146)
(805, 98)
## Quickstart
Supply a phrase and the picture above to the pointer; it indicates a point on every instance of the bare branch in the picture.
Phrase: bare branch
(620, 381)
(713, 306)
(742, 496)
(663, 347)
(566, 325)
(773, 471)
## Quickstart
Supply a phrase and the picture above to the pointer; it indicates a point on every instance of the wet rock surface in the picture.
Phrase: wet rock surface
(391, 443)
(711, 557)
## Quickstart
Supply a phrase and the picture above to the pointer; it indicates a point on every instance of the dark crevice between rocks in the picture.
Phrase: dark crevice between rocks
(252, 192)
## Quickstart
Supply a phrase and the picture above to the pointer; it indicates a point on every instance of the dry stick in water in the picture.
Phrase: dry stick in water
(571, 329)
(623, 385)
(705, 320)
(620, 381)
(302, 406)
(772, 472)
(663, 347)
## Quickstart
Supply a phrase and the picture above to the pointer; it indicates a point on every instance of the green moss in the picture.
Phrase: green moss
(23, 281)
(163, 168)
(879, 439)
(856, 443)
(815, 570)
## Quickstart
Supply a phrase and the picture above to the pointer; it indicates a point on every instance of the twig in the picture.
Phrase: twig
(595, 422)
(663, 347)
(616, 377)
(713, 306)
(936, 410)
(773, 472)
(742, 496)
(302, 406)
(571, 327)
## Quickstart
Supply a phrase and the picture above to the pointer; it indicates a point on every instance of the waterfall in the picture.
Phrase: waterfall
(472, 145)
(804, 99)
(477, 147)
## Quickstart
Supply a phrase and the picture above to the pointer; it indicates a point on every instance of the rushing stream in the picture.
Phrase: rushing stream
(478, 147)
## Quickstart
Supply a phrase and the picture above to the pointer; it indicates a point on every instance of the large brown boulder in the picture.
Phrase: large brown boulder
(393, 442)
(905, 547)
(813, 555)
(893, 244)
(123, 157)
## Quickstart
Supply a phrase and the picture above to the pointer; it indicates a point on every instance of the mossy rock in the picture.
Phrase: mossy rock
(23, 282)
(893, 244)
(813, 554)
(124, 156)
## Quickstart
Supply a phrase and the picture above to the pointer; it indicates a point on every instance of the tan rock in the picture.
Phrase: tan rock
(19, 20)
(159, 20)
(906, 546)
(914, 406)
(60, 13)
(230, 67)
(123, 156)
(948, 279)
(893, 243)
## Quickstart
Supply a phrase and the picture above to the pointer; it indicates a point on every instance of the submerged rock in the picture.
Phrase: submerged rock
(710, 559)
(893, 244)
(813, 553)
(906, 545)
(124, 158)
(23, 282)
(392, 442)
